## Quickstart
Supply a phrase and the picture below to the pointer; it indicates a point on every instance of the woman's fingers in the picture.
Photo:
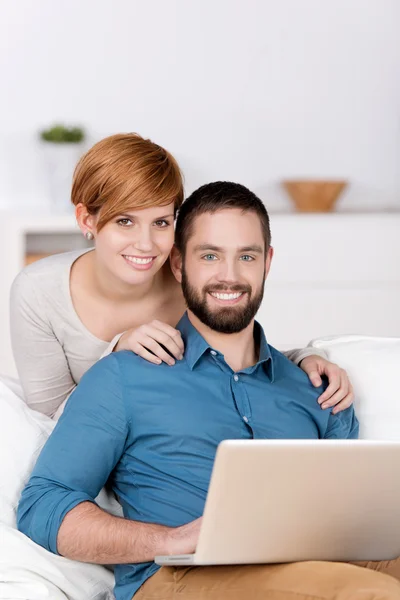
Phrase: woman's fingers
(345, 403)
(174, 344)
(333, 387)
(140, 351)
(149, 343)
(173, 333)
(156, 342)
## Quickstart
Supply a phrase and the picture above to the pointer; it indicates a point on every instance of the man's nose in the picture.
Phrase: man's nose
(227, 272)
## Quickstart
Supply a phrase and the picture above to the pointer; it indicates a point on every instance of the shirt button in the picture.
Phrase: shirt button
(245, 419)
(213, 352)
(236, 377)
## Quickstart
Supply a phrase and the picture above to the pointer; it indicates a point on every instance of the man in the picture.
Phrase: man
(153, 431)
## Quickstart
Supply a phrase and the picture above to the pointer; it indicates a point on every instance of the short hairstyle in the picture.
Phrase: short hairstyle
(126, 171)
(214, 197)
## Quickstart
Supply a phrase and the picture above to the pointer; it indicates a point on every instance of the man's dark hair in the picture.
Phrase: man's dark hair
(213, 197)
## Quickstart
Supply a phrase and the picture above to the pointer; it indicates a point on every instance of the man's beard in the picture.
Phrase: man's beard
(229, 319)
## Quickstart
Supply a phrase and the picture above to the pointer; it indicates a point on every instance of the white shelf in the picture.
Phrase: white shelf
(332, 273)
(40, 223)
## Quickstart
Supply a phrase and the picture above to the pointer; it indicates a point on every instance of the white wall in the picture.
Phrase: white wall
(253, 90)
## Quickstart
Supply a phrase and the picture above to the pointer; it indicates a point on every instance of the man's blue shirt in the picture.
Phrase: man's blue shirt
(152, 431)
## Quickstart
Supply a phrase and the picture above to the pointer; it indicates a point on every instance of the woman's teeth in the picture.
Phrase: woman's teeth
(226, 296)
(138, 261)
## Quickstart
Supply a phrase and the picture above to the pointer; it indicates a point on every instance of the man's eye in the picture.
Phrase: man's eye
(124, 222)
(209, 257)
(162, 223)
(247, 258)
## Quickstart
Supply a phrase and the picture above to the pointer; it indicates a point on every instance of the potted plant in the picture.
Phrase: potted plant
(63, 146)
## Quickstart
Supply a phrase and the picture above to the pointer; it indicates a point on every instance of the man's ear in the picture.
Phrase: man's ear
(175, 260)
(268, 260)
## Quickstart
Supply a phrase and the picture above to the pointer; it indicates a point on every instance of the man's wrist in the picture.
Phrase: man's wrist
(164, 540)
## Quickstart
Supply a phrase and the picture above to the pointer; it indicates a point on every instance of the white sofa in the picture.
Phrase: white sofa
(373, 364)
(28, 571)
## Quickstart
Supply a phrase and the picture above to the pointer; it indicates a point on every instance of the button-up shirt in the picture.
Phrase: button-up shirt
(152, 431)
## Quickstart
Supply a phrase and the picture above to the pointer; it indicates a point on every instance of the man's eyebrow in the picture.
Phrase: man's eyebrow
(203, 247)
(254, 248)
(206, 247)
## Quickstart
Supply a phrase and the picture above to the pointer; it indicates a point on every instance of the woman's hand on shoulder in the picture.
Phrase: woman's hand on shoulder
(339, 393)
(153, 342)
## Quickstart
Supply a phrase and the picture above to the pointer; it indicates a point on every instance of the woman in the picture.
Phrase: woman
(67, 310)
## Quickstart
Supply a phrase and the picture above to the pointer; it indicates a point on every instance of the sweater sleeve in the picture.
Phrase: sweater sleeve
(79, 456)
(39, 356)
(297, 356)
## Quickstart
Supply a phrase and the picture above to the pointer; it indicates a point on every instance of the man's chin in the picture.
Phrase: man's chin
(225, 320)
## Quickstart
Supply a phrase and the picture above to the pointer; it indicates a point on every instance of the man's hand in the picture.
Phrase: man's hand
(339, 392)
(183, 540)
(90, 534)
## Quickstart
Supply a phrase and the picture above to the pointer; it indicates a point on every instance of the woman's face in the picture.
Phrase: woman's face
(135, 244)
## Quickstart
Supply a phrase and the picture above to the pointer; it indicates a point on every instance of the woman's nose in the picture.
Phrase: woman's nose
(144, 242)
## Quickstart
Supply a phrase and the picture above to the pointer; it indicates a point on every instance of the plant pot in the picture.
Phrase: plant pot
(60, 160)
(314, 195)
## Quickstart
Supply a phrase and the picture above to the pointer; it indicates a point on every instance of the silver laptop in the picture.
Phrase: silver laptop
(275, 501)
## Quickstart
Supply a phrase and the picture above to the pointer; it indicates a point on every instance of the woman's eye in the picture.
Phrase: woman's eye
(124, 222)
(247, 258)
(162, 223)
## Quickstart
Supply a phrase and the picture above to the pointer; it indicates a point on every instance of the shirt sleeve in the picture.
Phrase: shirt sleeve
(297, 356)
(110, 348)
(343, 425)
(78, 458)
(40, 359)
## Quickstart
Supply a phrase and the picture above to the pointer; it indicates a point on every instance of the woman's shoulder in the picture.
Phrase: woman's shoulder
(54, 265)
(46, 275)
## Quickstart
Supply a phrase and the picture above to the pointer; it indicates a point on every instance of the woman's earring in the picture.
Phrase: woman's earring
(89, 236)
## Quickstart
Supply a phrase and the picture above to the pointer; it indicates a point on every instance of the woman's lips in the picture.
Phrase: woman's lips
(139, 263)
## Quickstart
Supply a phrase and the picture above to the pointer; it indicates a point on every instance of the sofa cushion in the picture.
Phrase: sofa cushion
(26, 569)
(373, 364)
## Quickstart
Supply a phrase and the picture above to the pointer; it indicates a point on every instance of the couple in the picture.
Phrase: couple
(68, 310)
(152, 430)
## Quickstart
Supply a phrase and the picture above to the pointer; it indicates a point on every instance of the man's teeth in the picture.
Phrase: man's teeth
(138, 261)
(226, 296)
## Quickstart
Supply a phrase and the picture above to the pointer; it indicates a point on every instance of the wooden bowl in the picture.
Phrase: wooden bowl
(314, 195)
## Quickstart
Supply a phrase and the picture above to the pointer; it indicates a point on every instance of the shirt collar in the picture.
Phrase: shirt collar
(196, 346)
(265, 356)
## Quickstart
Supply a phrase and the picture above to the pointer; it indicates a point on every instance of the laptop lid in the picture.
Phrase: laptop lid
(291, 500)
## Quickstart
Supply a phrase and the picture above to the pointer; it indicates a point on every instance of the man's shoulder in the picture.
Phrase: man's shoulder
(289, 374)
(284, 364)
(120, 361)
(129, 365)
